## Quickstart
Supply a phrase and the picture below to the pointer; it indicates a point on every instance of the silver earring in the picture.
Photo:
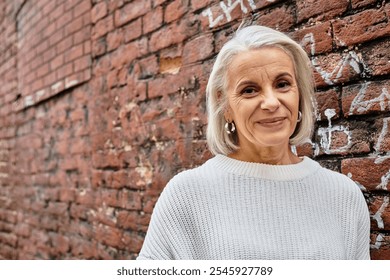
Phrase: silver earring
(230, 127)
(299, 116)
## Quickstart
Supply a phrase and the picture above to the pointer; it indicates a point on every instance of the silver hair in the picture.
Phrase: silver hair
(249, 38)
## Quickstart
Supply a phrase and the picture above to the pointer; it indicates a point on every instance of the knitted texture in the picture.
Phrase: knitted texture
(229, 209)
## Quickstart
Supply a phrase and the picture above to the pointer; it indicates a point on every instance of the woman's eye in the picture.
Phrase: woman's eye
(248, 91)
(283, 84)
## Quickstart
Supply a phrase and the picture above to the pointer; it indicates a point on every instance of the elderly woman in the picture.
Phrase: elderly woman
(256, 199)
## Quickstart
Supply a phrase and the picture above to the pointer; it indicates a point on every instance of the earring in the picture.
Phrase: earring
(230, 128)
(299, 116)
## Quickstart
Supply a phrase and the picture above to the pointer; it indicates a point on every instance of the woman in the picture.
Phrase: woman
(256, 199)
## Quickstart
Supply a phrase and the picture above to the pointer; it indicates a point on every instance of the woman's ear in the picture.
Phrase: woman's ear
(227, 114)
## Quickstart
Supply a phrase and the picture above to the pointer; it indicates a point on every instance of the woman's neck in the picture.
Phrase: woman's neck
(269, 155)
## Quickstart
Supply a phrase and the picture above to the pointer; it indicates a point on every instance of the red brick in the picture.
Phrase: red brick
(366, 98)
(73, 26)
(335, 68)
(281, 18)
(128, 220)
(382, 135)
(81, 8)
(114, 39)
(98, 11)
(200, 4)
(133, 30)
(380, 213)
(369, 172)
(131, 11)
(343, 140)
(380, 246)
(158, 2)
(64, 45)
(102, 27)
(184, 80)
(148, 67)
(152, 20)
(327, 9)
(327, 100)
(197, 49)
(315, 39)
(172, 34)
(82, 35)
(359, 28)
(176, 10)
(356, 4)
(74, 52)
(98, 47)
(82, 63)
(376, 58)
(124, 55)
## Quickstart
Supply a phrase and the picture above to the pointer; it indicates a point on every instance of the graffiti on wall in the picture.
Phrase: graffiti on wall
(227, 8)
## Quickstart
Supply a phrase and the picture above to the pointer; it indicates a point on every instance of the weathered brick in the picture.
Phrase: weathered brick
(336, 68)
(327, 100)
(356, 4)
(326, 10)
(342, 140)
(98, 11)
(152, 20)
(380, 212)
(369, 172)
(176, 10)
(315, 39)
(133, 30)
(376, 58)
(382, 135)
(172, 34)
(102, 27)
(197, 49)
(366, 98)
(380, 246)
(131, 11)
(281, 19)
(361, 27)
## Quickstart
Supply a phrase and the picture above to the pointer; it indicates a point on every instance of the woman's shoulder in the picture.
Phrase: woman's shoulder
(190, 179)
(339, 181)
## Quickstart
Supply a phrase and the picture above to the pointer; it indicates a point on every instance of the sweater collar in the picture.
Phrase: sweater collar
(267, 171)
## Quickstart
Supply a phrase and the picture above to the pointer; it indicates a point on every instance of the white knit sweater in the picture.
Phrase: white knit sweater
(230, 209)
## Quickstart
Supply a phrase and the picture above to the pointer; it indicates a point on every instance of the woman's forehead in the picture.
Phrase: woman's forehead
(270, 60)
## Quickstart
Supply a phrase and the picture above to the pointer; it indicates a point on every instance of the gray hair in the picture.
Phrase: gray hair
(249, 38)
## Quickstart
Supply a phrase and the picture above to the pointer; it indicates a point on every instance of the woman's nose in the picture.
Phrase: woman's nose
(270, 101)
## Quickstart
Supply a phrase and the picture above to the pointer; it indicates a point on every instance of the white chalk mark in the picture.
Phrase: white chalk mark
(381, 159)
(362, 188)
(227, 9)
(212, 22)
(361, 105)
(382, 134)
(326, 135)
(309, 38)
(378, 242)
(330, 113)
(384, 182)
(350, 58)
(378, 215)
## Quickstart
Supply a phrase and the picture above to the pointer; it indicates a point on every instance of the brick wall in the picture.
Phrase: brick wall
(102, 102)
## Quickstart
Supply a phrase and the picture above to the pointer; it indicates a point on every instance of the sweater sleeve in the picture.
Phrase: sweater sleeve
(165, 238)
(363, 234)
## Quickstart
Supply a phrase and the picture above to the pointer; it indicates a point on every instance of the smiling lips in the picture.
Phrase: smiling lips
(270, 122)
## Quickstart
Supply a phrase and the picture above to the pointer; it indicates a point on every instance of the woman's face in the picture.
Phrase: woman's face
(263, 98)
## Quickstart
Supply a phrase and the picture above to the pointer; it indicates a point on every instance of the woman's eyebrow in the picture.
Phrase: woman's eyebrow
(284, 74)
(245, 83)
